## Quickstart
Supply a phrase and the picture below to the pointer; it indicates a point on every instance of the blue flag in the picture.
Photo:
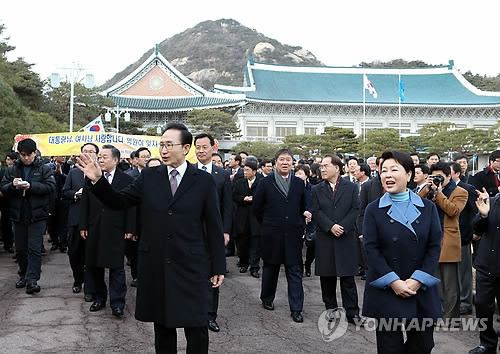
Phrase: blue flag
(401, 90)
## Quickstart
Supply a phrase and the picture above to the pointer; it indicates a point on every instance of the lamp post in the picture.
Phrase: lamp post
(117, 112)
(55, 82)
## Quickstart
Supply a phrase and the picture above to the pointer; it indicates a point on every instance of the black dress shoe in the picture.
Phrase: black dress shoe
(21, 283)
(32, 287)
(268, 306)
(96, 306)
(115, 311)
(9, 250)
(238, 264)
(63, 249)
(213, 326)
(308, 273)
(54, 247)
(88, 298)
(133, 283)
(297, 316)
(243, 269)
(76, 289)
(482, 349)
(356, 319)
(466, 311)
(254, 274)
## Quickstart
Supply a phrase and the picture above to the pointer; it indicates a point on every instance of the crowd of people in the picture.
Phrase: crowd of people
(412, 229)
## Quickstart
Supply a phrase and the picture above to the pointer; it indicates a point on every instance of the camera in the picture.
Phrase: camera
(437, 180)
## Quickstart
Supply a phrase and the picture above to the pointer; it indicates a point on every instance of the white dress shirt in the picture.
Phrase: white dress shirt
(181, 171)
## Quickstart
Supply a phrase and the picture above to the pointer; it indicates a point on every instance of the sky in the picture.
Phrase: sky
(103, 37)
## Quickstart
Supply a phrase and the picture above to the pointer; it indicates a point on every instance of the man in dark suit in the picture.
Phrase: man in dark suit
(247, 226)
(142, 155)
(6, 223)
(236, 171)
(489, 177)
(204, 147)
(335, 204)
(466, 233)
(279, 205)
(73, 191)
(182, 240)
(105, 230)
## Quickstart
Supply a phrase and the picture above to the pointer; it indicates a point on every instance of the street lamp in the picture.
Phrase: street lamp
(117, 112)
(55, 82)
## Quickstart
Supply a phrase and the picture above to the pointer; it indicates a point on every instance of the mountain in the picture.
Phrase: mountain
(217, 51)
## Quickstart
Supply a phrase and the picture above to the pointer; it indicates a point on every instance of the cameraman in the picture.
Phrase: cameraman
(450, 201)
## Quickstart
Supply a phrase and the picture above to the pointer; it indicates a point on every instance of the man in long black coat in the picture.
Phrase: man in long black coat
(335, 205)
(73, 192)
(105, 231)
(489, 177)
(279, 205)
(204, 145)
(181, 235)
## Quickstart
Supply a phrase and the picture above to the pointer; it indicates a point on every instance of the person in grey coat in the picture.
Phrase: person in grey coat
(335, 206)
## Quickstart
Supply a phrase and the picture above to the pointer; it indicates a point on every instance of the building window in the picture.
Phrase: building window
(256, 131)
(284, 131)
(310, 131)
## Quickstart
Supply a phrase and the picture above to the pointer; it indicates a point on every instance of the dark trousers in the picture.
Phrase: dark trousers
(270, 274)
(131, 254)
(362, 256)
(29, 239)
(449, 289)
(310, 253)
(347, 290)
(416, 342)
(465, 277)
(255, 253)
(243, 245)
(117, 286)
(213, 301)
(76, 254)
(7, 234)
(487, 289)
(57, 223)
(166, 339)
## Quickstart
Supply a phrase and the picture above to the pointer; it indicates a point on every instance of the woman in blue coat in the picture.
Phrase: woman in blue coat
(402, 240)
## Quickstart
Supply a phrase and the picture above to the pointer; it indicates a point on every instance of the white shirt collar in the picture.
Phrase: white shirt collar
(181, 169)
(111, 175)
(208, 166)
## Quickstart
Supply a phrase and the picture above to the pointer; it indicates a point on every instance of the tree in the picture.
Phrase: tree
(333, 140)
(13, 117)
(44, 123)
(88, 103)
(380, 140)
(462, 141)
(259, 149)
(212, 121)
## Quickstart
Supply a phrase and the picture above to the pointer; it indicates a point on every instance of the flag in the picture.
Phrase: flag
(401, 90)
(369, 86)
(94, 126)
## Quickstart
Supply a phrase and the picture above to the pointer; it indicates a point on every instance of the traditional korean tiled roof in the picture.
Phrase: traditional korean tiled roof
(158, 86)
(422, 86)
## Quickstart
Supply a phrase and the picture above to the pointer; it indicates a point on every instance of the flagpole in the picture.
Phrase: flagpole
(364, 111)
(399, 105)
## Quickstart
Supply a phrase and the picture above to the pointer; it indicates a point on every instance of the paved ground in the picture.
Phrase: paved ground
(58, 321)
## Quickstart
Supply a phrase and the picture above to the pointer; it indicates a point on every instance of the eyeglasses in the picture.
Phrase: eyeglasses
(89, 152)
(168, 146)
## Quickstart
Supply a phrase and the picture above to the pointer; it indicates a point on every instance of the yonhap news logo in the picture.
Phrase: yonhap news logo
(332, 324)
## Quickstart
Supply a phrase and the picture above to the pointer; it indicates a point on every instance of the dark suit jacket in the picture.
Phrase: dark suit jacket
(487, 260)
(133, 172)
(244, 219)
(223, 187)
(485, 179)
(370, 191)
(238, 174)
(392, 247)
(74, 182)
(336, 256)
(467, 214)
(179, 235)
(281, 219)
(105, 243)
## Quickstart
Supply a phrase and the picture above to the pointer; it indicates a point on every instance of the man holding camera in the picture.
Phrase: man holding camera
(450, 201)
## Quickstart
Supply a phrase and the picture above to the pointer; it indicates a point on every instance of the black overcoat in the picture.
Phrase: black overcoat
(336, 256)
(281, 219)
(179, 234)
(244, 219)
(105, 243)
